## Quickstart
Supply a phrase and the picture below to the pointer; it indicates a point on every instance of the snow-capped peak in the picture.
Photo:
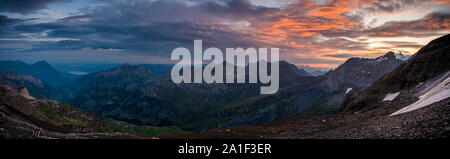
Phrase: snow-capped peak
(402, 57)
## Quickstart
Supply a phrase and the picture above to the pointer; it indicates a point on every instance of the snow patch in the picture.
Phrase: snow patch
(391, 96)
(348, 90)
(436, 94)
(381, 59)
(402, 57)
(418, 85)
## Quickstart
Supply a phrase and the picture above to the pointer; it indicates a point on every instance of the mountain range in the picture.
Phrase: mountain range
(139, 95)
(41, 70)
(357, 98)
(313, 71)
(410, 102)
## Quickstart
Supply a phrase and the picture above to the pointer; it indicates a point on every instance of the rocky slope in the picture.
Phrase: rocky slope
(37, 87)
(427, 123)
(429, 61)
(358, 73)
(23, 116)
(379, 110)
(354, 75)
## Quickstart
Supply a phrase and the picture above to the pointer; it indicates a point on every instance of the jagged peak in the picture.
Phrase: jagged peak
(41, 62)
(398, 56)
(389, 54)
(402, 57)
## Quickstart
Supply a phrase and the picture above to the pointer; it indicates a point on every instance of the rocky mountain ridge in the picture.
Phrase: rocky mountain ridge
(41, 70)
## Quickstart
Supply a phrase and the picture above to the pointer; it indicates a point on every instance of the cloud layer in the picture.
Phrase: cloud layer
(25, 6)
(315, 33)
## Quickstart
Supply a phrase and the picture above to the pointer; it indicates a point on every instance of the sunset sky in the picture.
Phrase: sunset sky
(321, 33)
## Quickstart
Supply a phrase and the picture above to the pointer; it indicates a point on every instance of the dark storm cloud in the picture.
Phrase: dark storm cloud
(6, 20)
(170, 10)
(59, 45)
(145, 27)
(236, 9)
(7, 26)
(159, 38)
(24, 6)
(34, 28)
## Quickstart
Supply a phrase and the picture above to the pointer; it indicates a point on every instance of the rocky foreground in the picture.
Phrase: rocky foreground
(430, 122)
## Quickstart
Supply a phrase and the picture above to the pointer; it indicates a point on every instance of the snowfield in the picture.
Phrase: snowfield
(391, 96)
(348, 90)
(435, 94)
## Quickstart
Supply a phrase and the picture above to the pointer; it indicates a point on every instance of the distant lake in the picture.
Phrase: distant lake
(78, 73)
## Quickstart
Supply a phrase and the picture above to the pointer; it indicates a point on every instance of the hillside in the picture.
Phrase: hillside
(37, 87)
(135, 94)
(23, 116)
(430, 61)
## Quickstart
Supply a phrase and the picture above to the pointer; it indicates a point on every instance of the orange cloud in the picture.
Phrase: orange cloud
(308, 29)
(445, 2)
